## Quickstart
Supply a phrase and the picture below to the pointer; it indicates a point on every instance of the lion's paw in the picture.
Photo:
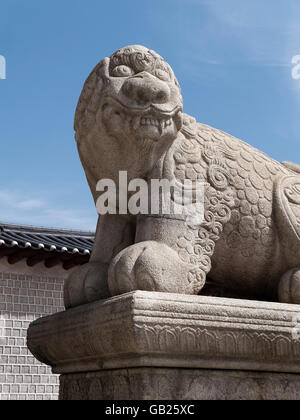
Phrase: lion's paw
(150, 266)
(86, 284)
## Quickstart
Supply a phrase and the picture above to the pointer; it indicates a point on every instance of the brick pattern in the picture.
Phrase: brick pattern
(24, 298)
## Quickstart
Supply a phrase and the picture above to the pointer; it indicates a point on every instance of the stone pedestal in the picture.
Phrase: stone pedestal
(146, 345)
(178, 384)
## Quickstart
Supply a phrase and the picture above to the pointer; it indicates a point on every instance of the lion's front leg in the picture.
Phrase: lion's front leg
(159, 261)
(88, 282)
(151, 266)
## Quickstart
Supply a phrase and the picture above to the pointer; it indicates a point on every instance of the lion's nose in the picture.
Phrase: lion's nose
(145, 88)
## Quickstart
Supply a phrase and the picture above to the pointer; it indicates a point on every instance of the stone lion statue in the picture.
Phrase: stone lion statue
(130, 118)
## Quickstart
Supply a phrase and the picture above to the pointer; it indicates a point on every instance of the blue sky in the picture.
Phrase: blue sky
(232, 58)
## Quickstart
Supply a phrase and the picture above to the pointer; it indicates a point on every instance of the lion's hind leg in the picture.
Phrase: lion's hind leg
(287, 218)
(289, 287)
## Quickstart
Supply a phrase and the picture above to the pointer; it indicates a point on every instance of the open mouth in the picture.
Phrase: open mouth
(150, 121)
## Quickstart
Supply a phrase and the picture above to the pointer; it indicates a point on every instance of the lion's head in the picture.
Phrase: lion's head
(128, 114)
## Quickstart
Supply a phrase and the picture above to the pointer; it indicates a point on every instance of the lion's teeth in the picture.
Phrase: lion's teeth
(160, 123)
(161, 126)
(137, 121)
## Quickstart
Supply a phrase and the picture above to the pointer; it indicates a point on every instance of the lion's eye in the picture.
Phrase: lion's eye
(163, 75)
(122, 71)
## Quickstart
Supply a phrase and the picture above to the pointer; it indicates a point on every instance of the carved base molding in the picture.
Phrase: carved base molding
(179, 384)
(159, 331)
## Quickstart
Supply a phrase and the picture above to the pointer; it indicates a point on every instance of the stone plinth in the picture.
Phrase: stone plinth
(146, 345)
(179, 384)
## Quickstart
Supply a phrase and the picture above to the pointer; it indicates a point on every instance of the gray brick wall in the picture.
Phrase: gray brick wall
(24, 298)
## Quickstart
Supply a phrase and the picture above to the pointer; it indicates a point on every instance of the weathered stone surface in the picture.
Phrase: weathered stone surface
(148, 329)
(129, 117)
(179, 384)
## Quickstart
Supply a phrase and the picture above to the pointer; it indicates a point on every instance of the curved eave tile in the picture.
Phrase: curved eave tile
(45, 247)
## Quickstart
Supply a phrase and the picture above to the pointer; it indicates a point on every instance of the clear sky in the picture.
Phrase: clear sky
(232, 58)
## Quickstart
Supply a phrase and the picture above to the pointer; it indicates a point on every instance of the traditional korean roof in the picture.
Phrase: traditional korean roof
(53, 246)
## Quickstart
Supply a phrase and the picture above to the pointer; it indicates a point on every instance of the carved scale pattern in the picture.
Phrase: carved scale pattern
(198, 163)
(239, 182)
